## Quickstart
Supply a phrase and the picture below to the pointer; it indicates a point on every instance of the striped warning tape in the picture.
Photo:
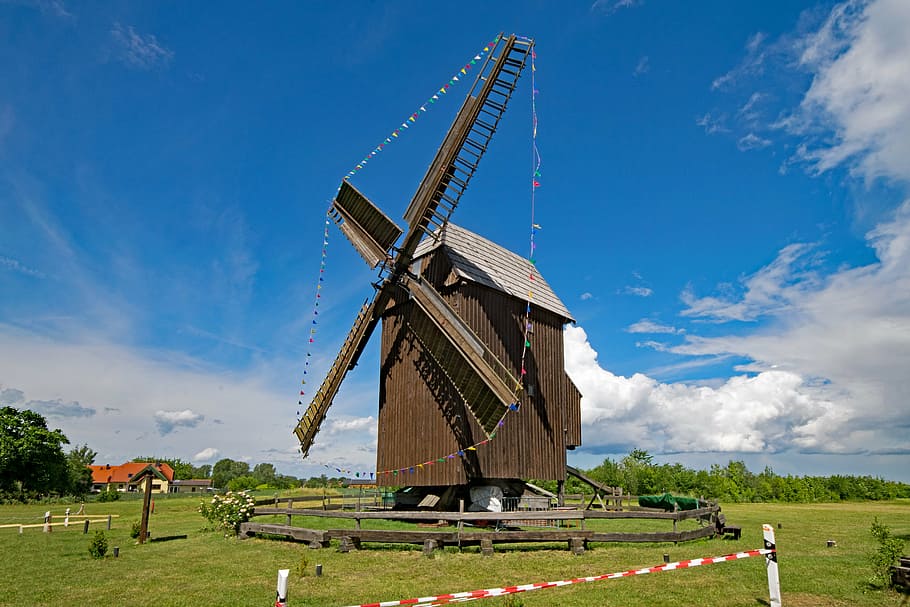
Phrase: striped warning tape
(459, 597)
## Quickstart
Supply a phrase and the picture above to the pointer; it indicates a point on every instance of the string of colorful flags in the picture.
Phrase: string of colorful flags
(535, 183)
(315, 315)
(443, 90)
(379, 475)
(444, 459)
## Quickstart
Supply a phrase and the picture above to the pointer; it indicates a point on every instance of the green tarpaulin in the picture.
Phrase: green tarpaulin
(668, 502)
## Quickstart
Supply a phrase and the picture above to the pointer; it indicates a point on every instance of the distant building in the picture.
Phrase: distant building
(192, 485)
(118, 478)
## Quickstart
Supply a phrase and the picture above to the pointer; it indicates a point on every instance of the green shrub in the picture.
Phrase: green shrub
(229, 510)
(98, 546)
(135, 529)
(887, 553)
(108, 496)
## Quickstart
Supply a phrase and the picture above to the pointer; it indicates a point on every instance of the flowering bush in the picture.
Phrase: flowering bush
(227, 511)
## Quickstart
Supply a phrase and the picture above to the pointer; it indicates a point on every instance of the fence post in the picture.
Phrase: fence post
(771, 565)
(66, 521)
(281, 598)
(47, 522)
(85, 527)
(108, 522)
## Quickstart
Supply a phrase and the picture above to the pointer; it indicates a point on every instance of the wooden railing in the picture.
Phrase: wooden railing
(498, 522)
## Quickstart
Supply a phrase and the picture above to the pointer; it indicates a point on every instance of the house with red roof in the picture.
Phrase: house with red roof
(118, 478)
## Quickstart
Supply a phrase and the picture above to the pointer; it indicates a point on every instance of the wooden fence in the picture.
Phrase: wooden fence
(571, 523)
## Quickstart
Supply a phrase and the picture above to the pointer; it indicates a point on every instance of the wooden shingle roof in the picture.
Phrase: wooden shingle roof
(482, 261)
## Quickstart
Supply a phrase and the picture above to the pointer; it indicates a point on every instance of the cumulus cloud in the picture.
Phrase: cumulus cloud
(769, 412)
(206, 455)
(586, 296)
(140, 51)
(825, 370)
(847, 334)
(168, 421)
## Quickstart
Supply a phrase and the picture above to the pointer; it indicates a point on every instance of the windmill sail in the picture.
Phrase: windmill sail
(370, 231)
(360, 332)
(486, 385)
(464, 145)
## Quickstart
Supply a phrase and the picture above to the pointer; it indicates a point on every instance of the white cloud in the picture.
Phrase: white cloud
(637, 291)
(860, 59)
(773, 289)
(848, 332)
(642, 67)
(14, 265)
(139, 384)
(168, 421)
(712, 124)
(350, 424)
(827, 372)
(206, 455)
(752, 141)
(646, 325)
(752, 64)
(771, 412)
(586, 296)
(748, 110)
(49, 408)
(141, 51)
(608, 7)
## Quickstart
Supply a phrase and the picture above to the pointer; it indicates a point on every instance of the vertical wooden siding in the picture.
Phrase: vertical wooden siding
(422, 419)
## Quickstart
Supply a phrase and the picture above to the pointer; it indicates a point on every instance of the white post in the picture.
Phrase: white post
(66, 521)
(47, 522)
(771, 565)
(281, 599)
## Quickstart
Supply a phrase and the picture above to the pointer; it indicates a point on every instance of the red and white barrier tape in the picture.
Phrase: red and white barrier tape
(459, 597)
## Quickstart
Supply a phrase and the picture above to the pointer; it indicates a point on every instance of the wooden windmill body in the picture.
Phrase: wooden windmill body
(453, 308)
(422, 415)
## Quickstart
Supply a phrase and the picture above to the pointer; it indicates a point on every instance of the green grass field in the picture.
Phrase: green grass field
(210, 569)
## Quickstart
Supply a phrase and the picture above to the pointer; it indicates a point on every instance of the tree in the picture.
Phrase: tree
(31, 455)
(227, 469)
(264, 473)
(78, 461)
(203, 471)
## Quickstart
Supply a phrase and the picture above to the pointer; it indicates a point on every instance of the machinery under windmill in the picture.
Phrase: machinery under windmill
(459, 353)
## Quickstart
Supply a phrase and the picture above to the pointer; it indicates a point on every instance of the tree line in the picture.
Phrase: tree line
(33, 464)
(637, 474)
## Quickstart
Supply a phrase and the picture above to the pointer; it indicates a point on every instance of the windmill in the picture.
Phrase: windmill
(447, 381)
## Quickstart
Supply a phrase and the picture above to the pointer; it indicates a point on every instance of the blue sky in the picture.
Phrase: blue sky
(723, 203)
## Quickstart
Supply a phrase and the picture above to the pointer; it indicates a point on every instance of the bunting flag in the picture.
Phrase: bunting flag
(410, 120)
(315, 313)
(535, 183)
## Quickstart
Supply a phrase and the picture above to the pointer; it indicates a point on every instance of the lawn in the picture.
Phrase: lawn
(210, 569)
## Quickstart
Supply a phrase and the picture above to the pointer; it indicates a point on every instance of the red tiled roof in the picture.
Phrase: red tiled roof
(125, 472)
